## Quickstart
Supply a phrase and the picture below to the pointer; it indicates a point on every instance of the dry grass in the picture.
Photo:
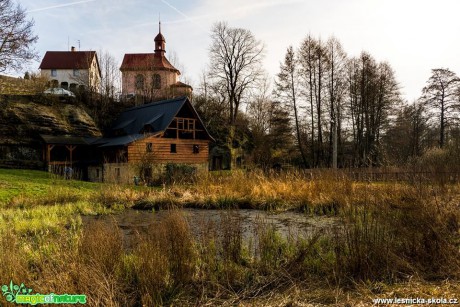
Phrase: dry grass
(327, 193)
(396, 240)
(369, 257)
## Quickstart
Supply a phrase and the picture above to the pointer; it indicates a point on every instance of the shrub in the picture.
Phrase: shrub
(180, 173)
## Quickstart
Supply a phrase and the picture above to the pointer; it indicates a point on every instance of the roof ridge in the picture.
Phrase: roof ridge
(156, 103)
(140, 53)
(68, 51)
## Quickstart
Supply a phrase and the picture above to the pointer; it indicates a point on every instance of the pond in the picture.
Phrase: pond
(289, 224)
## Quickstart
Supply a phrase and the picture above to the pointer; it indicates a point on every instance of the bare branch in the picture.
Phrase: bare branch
(16, 37)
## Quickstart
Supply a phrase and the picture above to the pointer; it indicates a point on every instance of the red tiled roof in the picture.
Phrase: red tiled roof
(145, 61)
(180, 84)
(67, 59)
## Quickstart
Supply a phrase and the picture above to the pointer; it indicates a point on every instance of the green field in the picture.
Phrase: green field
(31, 184)
(34, 201)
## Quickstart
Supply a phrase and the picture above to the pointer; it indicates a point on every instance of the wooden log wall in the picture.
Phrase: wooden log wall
(161, 150)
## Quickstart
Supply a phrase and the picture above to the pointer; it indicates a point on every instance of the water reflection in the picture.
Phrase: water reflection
(289, 225)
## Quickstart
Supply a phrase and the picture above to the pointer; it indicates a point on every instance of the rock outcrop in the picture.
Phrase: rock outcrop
(24, 118)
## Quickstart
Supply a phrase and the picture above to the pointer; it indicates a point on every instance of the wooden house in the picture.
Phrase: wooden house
(147, 137)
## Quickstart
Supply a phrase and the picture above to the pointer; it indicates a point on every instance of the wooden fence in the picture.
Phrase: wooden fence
(407, 176)
(383, 175)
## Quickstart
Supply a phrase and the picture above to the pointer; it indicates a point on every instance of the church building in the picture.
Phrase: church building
(151, 77)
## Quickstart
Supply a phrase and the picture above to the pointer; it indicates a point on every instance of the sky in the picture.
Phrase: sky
(412, 36)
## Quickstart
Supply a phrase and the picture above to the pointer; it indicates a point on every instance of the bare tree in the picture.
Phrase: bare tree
(258, 108)
(374, 93)
(407, 135)
(308, 59)
(441, 95)
(336, 71)
(259, 111)
(236, 63)
(16, 36)
(287, 89)
(174, 60)
(110, 74)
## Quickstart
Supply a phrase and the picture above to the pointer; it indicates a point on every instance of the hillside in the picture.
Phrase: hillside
(24, 118)
(18, 86)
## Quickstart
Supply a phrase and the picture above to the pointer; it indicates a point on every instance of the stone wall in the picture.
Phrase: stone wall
(124, 173)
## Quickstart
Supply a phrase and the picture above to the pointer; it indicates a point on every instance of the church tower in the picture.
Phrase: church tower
(148, 77)
(160, 42)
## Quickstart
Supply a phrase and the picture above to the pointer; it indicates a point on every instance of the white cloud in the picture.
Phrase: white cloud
(58, 6)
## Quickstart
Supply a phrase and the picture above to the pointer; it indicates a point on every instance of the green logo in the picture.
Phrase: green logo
(13, 290)
(22, 295)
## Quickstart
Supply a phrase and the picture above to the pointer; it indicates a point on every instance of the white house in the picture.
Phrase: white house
(72, 69)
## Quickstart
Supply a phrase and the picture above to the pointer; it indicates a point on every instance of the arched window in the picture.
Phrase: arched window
(156, 80)
(140, 82)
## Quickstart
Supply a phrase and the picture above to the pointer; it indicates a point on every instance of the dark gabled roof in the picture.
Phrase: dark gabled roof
(158, 115)
(146, 61)
(68, 60)
(65, 140)
(119, 141)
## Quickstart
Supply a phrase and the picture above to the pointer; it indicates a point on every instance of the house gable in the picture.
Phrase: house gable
(160, 117)
(71, 67)
(162, 132)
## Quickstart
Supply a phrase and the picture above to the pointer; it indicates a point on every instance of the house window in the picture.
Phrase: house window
(149, 147)
(173, 148)
(53, 73)
(76, 72)
(73, 87)
(65, 85)
(196, 149)
(140, 82)
(156, 81)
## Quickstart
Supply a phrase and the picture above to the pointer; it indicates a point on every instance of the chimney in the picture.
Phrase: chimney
(72, 49)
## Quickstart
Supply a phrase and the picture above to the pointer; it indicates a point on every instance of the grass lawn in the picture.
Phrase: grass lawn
(36, 184)
(37, 202)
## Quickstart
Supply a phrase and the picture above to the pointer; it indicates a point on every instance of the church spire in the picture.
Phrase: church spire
(160, 42)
